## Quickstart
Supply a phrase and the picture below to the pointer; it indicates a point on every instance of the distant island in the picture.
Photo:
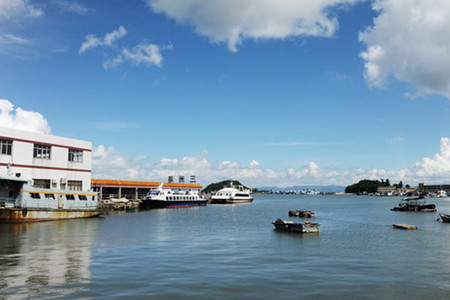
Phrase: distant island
(371, 186)
(214, 187)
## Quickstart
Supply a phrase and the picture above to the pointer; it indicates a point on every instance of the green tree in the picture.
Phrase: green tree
(366, 186)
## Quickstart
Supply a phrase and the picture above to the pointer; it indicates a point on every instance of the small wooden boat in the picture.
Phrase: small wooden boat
(306, 227)
(405, 226)
(301, 213)
(444, 217)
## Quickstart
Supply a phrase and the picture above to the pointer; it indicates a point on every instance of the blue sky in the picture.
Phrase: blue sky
(266, 92)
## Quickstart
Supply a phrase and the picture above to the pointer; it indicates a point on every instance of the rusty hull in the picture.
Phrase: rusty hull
(22, 215)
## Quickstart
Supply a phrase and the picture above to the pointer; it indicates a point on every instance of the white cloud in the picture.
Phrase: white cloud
(13, 39)
(408, 41)
(91, 41)
(232, 21)
(148, 54)
(22, 119)
(71, 6)
(439, 165)
(109, 164)
(144, 53)
(10, 9)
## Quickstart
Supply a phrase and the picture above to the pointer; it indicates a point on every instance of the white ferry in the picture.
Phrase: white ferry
(20, 202)
(167, 198)
(232, 194)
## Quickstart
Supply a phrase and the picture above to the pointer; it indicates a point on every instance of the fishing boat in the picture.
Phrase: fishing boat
(416, 203)
(167, 198)
(306, 227)
(232, 194)
(20, 202)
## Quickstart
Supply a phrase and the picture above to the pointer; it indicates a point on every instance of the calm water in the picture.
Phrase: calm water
(232, 252)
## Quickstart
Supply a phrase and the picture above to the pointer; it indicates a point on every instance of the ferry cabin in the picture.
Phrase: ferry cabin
(16, 193)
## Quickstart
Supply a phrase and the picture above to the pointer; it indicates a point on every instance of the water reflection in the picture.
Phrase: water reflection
(40, 258)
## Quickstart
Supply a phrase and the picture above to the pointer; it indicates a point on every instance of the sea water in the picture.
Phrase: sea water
(233, 252)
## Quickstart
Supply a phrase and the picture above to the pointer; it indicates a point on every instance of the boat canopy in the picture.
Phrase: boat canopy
(11, 178)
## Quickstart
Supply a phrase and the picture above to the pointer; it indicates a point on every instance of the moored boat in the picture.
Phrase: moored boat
(167, 198)
(301, 213)
(416, 203)
(20, 202)
(232, 194)
(306, 227)
(444, 217)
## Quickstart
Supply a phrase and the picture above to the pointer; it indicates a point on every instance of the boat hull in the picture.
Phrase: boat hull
(152, 203)
(296, 227)
(445, 217)
(418, 208)
(230, 200)
(23, 215)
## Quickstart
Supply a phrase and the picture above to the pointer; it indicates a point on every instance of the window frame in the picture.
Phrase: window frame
(75, 155)
(42, 151)
(6, 147)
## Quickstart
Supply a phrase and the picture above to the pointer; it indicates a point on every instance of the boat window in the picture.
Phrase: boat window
(82, 197)
(49, 196)
(35, 196)
(93, 198)
(70, 197)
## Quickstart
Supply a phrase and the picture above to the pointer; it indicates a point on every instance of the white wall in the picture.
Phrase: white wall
(56, 168)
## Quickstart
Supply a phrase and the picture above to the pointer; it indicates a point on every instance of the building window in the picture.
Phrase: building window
(74, 185)
(75, 155)
(42, 151)
(41, 183)
(5, 146)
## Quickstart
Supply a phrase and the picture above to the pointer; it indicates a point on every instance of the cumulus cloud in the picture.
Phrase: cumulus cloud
(10, 9)
(22, 119)
(233, 21)
(439, 165)
(408, 42)
(107, 163)
(91, 41)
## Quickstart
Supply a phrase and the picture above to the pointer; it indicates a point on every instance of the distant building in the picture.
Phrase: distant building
(386, 190)
(108, 188)
(434, 188)
(46, 161)
(393, 191)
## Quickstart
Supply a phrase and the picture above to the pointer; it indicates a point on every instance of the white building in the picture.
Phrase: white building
(46, 161)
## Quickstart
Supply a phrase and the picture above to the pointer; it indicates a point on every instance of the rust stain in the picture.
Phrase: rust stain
(19, 215)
